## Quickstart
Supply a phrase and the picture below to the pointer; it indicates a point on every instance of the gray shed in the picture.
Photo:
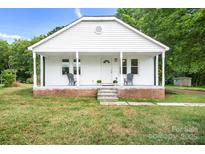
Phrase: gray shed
(182, 81)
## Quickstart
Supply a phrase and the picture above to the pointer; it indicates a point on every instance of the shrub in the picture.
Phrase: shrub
(115, 81)
(8, 77)
(99, 81)
(29, 80)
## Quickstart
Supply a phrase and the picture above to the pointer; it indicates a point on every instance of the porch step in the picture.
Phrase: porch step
(107, 99)
(107, 84)
(107, 91)
(107, 94)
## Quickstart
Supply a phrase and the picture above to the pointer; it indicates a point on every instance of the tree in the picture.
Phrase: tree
(4, 55)
(17, 57)
(21, 59)
(180, 29)
(55, 30)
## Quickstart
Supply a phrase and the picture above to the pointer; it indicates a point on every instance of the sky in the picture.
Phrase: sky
(27, 23)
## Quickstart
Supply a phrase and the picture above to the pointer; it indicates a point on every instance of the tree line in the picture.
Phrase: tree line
(19, 59)
(183, 30)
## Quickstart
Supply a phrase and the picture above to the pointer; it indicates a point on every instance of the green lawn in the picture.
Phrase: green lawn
(201, 88)
(172, 97)
(50, 120)
(179, 97)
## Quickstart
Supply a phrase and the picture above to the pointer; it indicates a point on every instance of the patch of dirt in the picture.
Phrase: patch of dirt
(117, 128)
(93, 112)
(128, 112)
(185, 91)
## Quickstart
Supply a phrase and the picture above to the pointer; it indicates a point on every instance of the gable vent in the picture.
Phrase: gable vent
(98, 30)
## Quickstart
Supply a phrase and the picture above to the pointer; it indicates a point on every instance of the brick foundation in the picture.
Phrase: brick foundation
(66, 92)
(141, 93)
(129, 93)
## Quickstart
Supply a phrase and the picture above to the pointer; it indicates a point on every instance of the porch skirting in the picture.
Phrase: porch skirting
(141, 93)
(66, 92)
(127, 92)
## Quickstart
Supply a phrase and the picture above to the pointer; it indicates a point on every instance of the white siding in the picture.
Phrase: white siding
(91, 69)
(114, 38)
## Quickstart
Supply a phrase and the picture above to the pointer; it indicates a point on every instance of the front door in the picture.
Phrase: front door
(106, 71)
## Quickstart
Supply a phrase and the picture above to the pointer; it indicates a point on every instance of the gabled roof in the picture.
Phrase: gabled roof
(98, 18)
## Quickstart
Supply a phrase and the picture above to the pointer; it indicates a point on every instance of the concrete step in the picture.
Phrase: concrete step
(111, 88)
(108, 84)
(107, 94)
(108, 90)
(107, 99)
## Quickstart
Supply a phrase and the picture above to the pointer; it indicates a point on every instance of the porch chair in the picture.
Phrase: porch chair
(71, 79)
(129, 79)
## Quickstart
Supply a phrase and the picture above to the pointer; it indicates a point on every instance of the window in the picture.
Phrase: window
(75, 68)
(65, 66)
(134, 66)
(124, 66)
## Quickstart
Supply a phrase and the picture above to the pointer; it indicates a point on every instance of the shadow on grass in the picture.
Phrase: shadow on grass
(170, 92)
(24, 92)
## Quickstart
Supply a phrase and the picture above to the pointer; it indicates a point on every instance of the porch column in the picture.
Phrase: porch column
(156, 73)
(121, 73)
(77, 67)
(163, 69)
(34, 70)
(41, 69)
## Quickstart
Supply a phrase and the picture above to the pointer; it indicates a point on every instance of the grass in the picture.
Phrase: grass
(200, 88)
(56, 120)
(172, 97)
(139, 100)
(179, 97)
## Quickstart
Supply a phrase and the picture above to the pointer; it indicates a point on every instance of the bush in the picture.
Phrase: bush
(8, 77)
(29, 80)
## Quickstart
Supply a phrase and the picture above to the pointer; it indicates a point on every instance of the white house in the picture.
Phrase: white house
(99, 48)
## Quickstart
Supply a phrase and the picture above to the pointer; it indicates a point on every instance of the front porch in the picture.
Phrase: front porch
(89, 68)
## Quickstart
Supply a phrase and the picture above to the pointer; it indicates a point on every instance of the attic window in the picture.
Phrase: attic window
(98, 30)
